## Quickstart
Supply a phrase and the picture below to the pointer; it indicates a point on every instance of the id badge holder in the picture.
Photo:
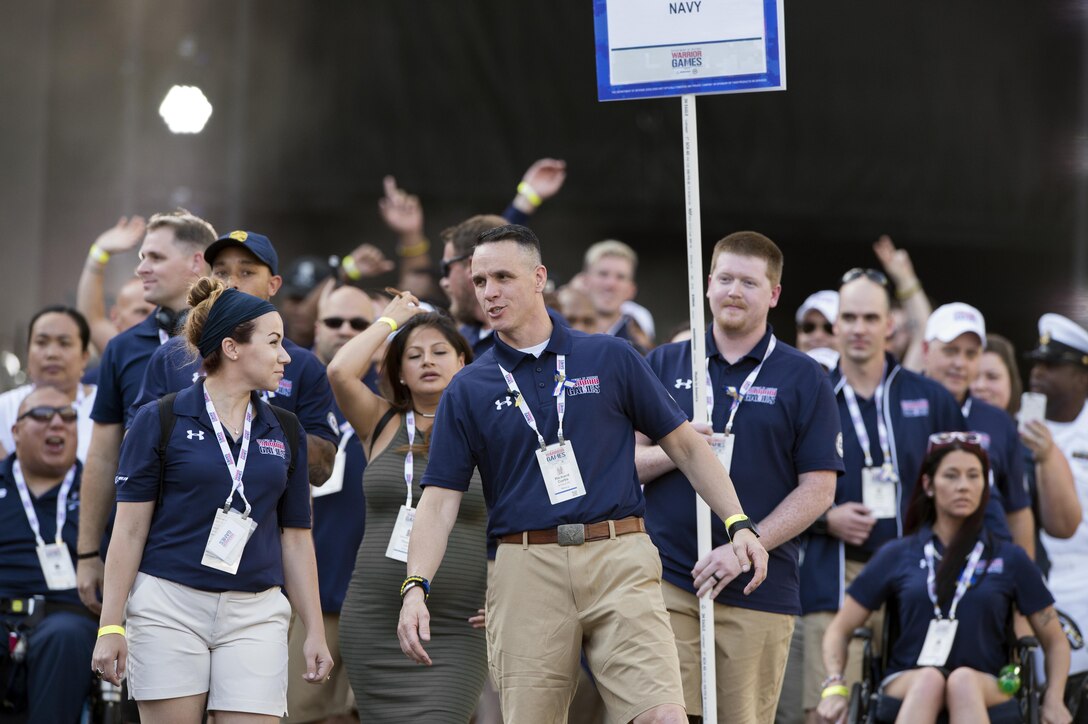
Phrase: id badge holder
(723, 448)
(227, 540)
(938, 643)
(402, 533)
(335, 483)
(878, 493)
(559, 467)
(56, 563)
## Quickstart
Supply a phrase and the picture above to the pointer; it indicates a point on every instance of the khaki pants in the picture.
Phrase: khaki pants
(751, 648)
(815, 626)
(546, 603)
(313, 702)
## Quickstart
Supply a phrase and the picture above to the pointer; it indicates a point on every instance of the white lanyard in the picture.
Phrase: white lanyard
(560, 394)
(28, 505)
(235, 470)
(966, 409)
(961, 586)
(738, 397)
(163, 336)
(409, 470)
(859, 423)
(346, 431)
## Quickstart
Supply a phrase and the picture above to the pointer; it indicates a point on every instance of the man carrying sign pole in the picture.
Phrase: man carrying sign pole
(655, 48)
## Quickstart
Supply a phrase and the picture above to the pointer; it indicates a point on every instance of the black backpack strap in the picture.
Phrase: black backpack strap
(167, 418)
(379, 427)
(289, 423)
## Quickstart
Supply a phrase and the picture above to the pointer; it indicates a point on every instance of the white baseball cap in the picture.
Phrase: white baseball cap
(826, 302)
(949, 321)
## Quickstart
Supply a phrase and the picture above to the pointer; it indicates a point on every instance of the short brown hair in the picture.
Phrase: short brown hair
(189, 229)
(463, 236)
(751, 243)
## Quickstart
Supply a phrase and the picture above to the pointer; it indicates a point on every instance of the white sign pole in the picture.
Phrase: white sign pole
(698, 386)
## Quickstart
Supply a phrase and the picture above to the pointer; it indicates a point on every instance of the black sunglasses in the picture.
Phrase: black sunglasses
(810, 327)
(44, 413)
(447, 263)
(871, 274)
(357, 323)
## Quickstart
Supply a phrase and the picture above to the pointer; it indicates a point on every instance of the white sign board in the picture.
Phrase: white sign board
(654, 48)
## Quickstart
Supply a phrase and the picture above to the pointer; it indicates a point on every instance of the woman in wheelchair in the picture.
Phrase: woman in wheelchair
(946, 574)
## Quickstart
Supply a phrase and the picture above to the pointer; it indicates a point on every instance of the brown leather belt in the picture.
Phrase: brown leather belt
(575, 534)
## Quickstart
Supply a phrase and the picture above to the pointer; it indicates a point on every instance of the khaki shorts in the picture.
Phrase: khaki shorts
(182, 641)
(546, 603)
(313, 702)
(815, 626)
(751, 651)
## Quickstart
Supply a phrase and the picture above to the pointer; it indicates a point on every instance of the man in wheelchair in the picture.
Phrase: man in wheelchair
(49, 634)
(950, 587)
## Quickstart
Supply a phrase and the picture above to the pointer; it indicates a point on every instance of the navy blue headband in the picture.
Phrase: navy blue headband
(230, 309)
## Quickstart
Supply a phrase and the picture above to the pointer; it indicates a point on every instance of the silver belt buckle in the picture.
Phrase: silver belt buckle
(572, 534)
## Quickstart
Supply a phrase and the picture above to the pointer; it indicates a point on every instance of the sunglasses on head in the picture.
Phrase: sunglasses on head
(44, 413)
(357, 323)
(447, 263)
(939, 439)
(810, 327)
(871, 274)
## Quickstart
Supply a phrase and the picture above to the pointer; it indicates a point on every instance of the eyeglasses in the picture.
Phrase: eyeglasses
(447, 263)
(810, 327)
(940, 439)
(357, 323)
(44, 413)
(871, 274)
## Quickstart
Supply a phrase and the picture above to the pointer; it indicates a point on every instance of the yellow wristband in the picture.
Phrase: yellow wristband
(734, 519)
(98, 254)
(418, 249)
(530, 193)
(909, 291)
(106, 630)
(350, 268)
(837, 690)
(388, 320)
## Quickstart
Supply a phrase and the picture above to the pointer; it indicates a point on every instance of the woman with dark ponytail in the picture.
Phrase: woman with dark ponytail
(954, 586)
(208, 533)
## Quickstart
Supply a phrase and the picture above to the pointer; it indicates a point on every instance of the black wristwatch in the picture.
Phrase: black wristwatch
(739, 522)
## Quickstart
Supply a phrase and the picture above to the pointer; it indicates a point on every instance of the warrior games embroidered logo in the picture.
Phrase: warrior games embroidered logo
(584, 385)
(915, 408)
(272, 447)
(766, 395)
(284, 390)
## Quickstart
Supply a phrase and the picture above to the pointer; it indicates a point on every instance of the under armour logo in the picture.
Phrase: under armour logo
(194, 434)
(686, 384)
(499, 403)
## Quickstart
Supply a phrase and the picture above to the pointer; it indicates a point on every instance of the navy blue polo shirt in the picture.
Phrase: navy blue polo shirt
(915, 408)
(1004, 575)
(21, 573)
(122, 371)
(339, 520)
(196, 482)
(788, 424)
(479, 339)
(614, 394)
(1003, 446)
(304, 389)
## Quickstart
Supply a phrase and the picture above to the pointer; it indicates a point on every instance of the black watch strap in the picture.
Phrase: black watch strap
(87, 556)
(738, 525)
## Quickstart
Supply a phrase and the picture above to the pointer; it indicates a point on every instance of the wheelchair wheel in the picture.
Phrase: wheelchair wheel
(855, 712)
(1032, 714)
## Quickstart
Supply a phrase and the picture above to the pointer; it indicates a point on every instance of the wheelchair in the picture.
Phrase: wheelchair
(18, 616)
(868, 705)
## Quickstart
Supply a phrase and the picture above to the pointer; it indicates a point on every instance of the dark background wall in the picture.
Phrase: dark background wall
(959, 129)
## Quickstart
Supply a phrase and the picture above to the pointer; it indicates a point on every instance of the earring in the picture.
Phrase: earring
(402, 381)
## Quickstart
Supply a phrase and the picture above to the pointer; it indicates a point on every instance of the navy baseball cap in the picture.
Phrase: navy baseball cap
(257, 244)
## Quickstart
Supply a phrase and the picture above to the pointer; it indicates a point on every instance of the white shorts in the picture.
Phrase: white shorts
(233, 645)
